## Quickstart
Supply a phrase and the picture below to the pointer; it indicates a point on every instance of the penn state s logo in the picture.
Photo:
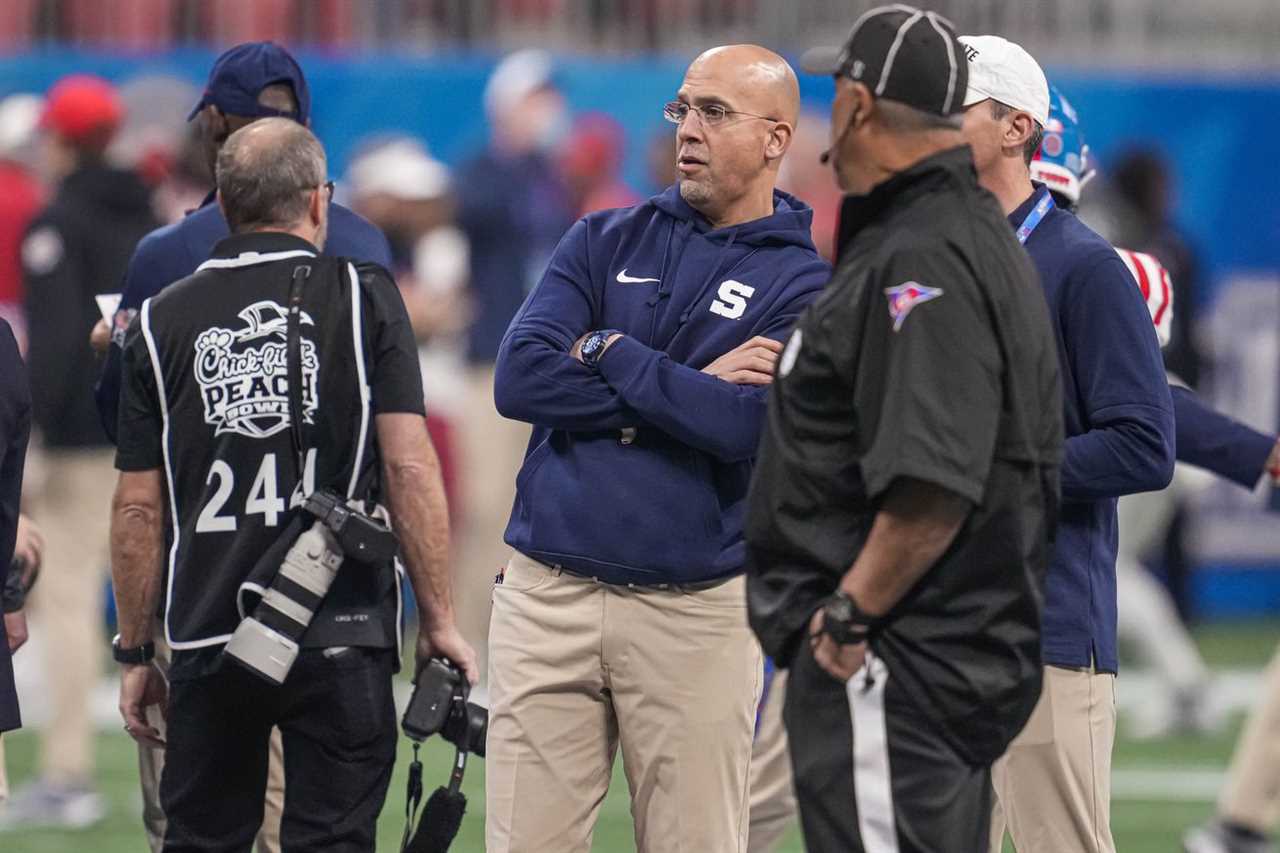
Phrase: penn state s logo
(731, 299)
(244, 376)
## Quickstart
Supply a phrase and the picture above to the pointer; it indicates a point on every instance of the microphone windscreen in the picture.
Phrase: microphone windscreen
(441, 819)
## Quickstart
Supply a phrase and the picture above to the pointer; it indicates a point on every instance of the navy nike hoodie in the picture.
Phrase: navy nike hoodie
(637, 469)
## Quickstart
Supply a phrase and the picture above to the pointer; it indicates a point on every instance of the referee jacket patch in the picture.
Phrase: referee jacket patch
(903, 297)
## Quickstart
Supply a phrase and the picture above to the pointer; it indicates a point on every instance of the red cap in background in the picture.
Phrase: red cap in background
(82, 105)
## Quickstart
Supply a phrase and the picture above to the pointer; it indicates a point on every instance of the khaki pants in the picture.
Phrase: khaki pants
(492, 449)
(1053, 784)
(773, 798)
(1251, 796)
(578, 668)
(151, 766)
(73, 508)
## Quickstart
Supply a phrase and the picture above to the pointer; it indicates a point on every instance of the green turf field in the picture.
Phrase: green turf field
(1141, 825)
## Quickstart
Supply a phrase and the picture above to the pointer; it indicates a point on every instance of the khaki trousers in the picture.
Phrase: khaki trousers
(1251, 796)
(577, 668)
(151, 766)
(773, 797)
(492, 449)
(1053, 784)
(73, 508)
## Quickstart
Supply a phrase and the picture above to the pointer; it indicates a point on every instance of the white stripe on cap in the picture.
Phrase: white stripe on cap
(871, 13)
(951, 58)
(872, 785)
(893, 50)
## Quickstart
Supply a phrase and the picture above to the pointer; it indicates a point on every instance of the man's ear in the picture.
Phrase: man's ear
(316, 211)
(1019, 130)
(864, 104)
(218, 126)
(221, 204)
(778, 141)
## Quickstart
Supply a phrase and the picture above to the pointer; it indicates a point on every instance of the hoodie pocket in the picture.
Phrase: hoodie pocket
(650, 507)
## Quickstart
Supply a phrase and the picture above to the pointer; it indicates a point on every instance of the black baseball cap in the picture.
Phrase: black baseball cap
(901, 53)
(239, 76)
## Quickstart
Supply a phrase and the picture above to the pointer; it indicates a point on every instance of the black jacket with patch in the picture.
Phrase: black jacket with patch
(929, 355)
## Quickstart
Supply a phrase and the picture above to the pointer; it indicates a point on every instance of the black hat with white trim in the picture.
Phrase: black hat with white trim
(901, 53)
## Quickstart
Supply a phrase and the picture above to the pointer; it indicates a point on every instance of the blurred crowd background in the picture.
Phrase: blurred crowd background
(474, 132)
(1179, 102)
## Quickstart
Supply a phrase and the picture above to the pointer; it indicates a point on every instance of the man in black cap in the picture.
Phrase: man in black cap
(907, 481)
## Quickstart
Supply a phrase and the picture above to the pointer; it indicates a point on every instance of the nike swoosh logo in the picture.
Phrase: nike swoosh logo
(623, 278)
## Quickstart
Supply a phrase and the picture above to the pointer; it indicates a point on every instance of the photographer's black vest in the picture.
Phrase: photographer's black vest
(217, 343)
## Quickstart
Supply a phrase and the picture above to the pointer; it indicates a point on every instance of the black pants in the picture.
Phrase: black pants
(337, 720)
(872, 775)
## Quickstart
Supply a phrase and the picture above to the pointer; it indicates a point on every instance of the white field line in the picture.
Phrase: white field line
(1174, 783)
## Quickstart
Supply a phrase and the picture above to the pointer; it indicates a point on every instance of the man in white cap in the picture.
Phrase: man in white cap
(1053, 785)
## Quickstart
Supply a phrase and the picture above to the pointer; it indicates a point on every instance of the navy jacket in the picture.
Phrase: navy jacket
(174, 251)
(665, 505)
(1118, 418)
(1213, 441)
(15, 427)
(513, 210)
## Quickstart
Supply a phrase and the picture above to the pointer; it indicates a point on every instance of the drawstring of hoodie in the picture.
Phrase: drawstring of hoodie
(706, 285)
(663, 291)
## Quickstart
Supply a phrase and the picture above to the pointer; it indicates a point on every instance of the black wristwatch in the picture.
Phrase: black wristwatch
(844, 622)
(594, 345)
(144, 653)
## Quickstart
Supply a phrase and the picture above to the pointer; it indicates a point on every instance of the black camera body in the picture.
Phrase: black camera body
(361, 537)
(439, 706)
(268, 640)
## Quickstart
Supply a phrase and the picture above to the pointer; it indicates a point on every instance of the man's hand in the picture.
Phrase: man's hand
(840, 662)
(1273, 463)
(15, 626)
(28, 548)
(142, 685)
(100, 337)
(750, 363)
(446, 642)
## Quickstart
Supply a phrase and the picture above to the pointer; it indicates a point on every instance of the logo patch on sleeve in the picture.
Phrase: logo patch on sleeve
(905, 296)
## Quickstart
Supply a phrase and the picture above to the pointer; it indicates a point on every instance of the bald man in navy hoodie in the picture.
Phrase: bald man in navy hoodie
(642, 359)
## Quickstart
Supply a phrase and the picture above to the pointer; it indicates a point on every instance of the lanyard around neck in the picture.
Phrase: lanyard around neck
(1035, 217)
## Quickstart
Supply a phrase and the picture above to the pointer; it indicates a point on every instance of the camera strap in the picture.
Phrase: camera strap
(413, 798)
(293, 359)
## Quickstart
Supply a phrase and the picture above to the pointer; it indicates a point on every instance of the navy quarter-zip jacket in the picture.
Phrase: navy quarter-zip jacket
(1118, 418)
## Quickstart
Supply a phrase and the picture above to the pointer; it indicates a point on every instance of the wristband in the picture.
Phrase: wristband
(144, 653)
(844, 622)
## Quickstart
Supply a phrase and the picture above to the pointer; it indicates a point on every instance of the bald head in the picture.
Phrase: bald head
(759, 80)
(266, 172)
(741, 105)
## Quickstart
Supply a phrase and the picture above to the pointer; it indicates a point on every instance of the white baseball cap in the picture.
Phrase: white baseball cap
(1004, 72)
(401, 168)
(517, 76)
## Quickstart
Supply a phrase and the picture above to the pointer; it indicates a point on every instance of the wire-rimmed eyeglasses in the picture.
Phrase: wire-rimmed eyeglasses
(711, 114)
